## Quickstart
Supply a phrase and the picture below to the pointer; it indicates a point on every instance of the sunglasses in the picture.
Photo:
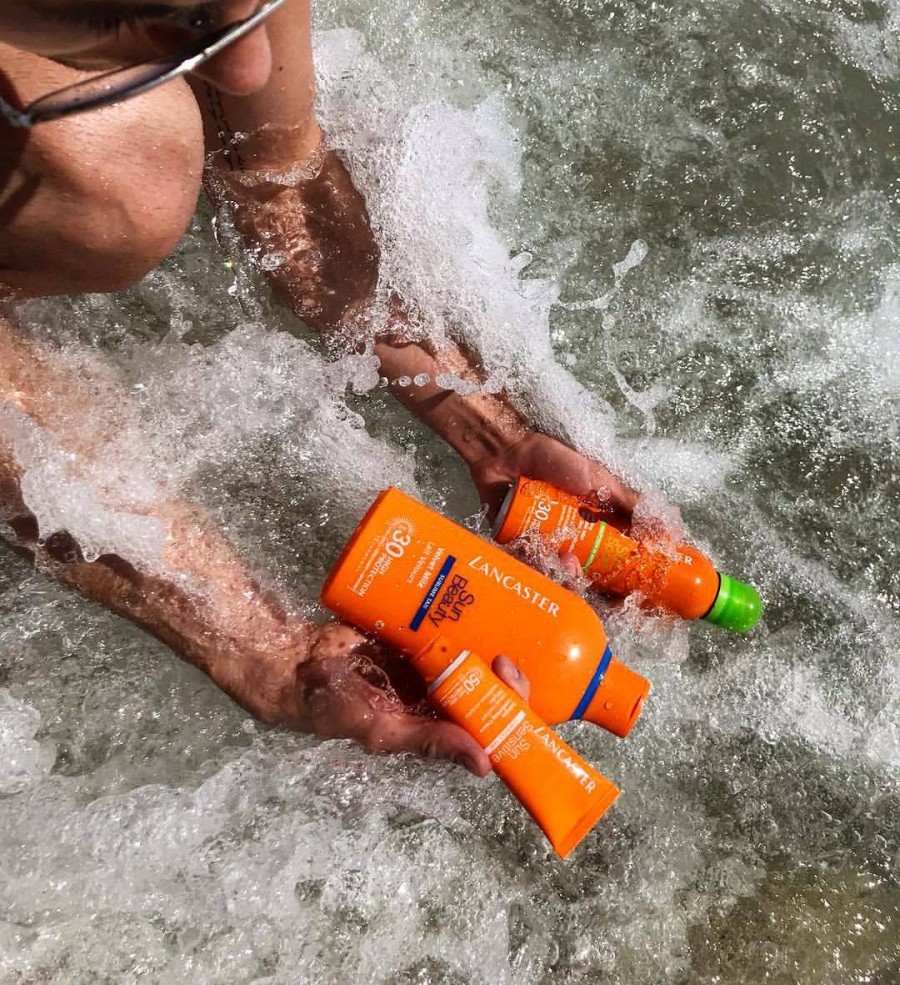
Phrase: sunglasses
(124, 83)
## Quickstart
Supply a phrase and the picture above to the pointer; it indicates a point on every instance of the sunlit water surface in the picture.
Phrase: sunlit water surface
(672, 231)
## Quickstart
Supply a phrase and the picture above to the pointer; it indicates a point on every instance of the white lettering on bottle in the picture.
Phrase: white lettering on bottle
(543, 508)
(512, 584)
(561, 752)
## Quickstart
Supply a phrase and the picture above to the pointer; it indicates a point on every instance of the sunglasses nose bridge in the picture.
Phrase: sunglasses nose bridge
(241, 68)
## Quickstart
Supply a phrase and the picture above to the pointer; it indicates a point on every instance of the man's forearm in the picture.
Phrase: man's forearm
(205, 607)
(197, 596)
(312, 234)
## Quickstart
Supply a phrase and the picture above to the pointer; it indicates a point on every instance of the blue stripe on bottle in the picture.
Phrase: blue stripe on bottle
(593, 683)
(431, 595)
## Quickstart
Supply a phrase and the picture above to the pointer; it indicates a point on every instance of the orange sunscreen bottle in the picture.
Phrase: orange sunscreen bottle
(409, 574)
(559, 789)
(685, 583)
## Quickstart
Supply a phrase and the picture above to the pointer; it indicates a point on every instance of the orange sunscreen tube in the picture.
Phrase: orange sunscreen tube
(409, 574)
(563, 793)
(685, 583)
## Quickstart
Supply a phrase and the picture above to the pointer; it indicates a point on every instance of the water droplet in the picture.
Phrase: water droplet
(271, 261)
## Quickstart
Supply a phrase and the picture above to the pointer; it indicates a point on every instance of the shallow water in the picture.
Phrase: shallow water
(672, 230)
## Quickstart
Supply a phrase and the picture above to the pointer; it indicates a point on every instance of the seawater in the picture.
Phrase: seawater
(671, 231)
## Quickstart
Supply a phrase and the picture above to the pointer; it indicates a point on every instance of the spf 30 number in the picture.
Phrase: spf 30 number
(543, 509)
(397, 543)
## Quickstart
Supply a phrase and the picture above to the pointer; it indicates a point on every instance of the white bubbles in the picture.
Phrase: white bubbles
(688, 470)
(656, 519)
(272, 261)
(636, 255)
(66, 492)
(449, 381)
(446, 256)
(867, 44)
(24, 761)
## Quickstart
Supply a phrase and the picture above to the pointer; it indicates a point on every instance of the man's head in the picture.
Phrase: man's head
(97, 35)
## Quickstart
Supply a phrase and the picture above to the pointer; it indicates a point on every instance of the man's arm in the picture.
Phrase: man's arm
(197, 596)
(293, 197)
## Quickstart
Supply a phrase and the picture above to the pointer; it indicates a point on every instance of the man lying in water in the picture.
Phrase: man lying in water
(97, 185)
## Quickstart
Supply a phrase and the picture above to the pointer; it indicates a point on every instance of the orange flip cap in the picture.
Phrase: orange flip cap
(409, 574)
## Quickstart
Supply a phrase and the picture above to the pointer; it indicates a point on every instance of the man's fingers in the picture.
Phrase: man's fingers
(610, 491)
(572, 566)
(427, 738)
(392, 731)
(590, 479)
(623, 497)
(339, 702)
(510, 674)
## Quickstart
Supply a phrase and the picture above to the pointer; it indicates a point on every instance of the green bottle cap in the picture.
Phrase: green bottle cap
(737, 606)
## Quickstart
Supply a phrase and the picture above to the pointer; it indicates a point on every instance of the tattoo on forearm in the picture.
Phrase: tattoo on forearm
(227, 135)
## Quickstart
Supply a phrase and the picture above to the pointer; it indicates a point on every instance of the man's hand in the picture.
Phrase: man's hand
(352, 687)
(541, 457)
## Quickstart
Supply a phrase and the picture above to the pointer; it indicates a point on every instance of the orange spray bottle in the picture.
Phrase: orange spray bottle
(409, 575)
(685, 582)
